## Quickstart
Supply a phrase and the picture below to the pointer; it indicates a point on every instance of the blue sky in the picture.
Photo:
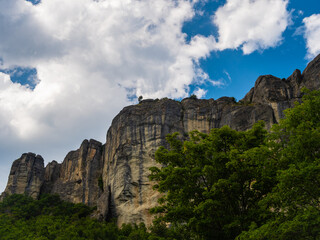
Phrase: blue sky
(68, 67)
(279, 61)
(237, 71)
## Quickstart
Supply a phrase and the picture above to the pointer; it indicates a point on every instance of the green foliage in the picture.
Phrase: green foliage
(193, 96)
(100, 183)
(212, 182)
(295, 200)
(22, 217)
(244, 185)
(244, 103)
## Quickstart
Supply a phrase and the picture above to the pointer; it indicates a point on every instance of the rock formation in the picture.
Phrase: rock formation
(26, 175)
(281, 94)
(114, 176)
(76, 179)
(137, 131)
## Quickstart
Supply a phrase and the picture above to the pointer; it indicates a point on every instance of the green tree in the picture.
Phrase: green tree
(294, 203)
(212, 182)
(22, 217)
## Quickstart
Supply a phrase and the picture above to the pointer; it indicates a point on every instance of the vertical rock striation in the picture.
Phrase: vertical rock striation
(136, 132)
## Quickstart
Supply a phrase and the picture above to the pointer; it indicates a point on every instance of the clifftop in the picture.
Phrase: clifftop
(114, 175)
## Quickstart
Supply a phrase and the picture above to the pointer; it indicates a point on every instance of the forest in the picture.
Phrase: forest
(255, 184)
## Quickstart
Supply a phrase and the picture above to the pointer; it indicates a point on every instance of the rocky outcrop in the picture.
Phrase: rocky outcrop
(132, 139)
(76, 179)
(311, 75)
(281, 94)
(114, 176)
(79, 174)
(137, 131)
(204, 115)
(275, 92)
(26, 176)
(51, 175)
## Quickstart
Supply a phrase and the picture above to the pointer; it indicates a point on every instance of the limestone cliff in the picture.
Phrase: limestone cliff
(26, 175)
(137, 131)
(76, 179)
(114, 176)
(281, 94)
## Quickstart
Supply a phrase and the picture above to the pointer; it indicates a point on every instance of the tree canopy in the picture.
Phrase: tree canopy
(22, 217)
(212, 182)
(294, 202)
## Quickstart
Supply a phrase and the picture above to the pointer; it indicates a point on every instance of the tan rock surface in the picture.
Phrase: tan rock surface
(26, 176)
(79, 174)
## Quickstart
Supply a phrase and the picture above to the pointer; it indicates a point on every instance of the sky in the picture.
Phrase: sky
(68, 67)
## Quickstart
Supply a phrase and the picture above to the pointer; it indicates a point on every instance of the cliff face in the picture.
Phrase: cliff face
(114, 176)
(132, 139)
(281, 94)
(76, 179)
(26, 175)
(139, 130)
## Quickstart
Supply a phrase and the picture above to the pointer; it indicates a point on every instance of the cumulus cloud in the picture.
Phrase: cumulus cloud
(90, 57)
(91, 54)
(251, 24)
(312, 34)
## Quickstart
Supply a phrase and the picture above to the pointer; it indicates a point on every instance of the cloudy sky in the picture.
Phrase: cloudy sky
(67, 67)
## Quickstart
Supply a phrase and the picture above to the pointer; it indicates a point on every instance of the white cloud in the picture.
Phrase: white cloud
(228, 75)
(200, 92)
(89, 56)
(312, 34)
(251, 24)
